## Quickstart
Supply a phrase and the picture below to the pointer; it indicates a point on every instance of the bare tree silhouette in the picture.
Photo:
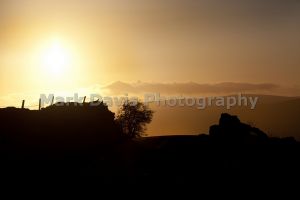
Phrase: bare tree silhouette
(133, 117)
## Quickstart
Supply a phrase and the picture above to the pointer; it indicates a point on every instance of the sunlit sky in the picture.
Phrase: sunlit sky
(64, 45)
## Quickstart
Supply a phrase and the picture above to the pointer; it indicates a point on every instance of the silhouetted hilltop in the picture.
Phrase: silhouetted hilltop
(65, 123)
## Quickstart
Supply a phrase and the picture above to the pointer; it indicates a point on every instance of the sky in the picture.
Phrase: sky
(64, 45)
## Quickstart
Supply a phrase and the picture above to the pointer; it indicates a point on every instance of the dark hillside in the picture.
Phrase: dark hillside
(81, 140)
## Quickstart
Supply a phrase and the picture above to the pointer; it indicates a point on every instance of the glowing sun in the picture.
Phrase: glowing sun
(56, 59)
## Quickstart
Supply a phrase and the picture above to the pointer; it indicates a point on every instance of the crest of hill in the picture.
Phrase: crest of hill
(65, 123)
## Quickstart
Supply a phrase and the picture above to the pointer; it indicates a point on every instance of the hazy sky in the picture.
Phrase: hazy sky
(250, 41)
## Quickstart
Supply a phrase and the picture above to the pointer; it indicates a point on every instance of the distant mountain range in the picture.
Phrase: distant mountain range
(194, 88)
(278, 116)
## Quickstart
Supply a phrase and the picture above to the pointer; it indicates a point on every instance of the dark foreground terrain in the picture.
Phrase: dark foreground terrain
(79, 140)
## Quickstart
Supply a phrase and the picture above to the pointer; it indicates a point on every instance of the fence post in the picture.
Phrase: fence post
(40, 103)
(23, 104)
(52, 101)
(84, 99)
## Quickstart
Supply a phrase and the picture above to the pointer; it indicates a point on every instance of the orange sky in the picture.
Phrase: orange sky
(170, 41)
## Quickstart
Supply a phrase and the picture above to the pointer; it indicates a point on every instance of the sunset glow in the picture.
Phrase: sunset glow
(64, 45)
(56, 59)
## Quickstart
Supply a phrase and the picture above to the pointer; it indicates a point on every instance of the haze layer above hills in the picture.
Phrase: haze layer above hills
(278, 116)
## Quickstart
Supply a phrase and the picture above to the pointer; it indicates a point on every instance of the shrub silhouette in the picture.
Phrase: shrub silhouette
(132, 118)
